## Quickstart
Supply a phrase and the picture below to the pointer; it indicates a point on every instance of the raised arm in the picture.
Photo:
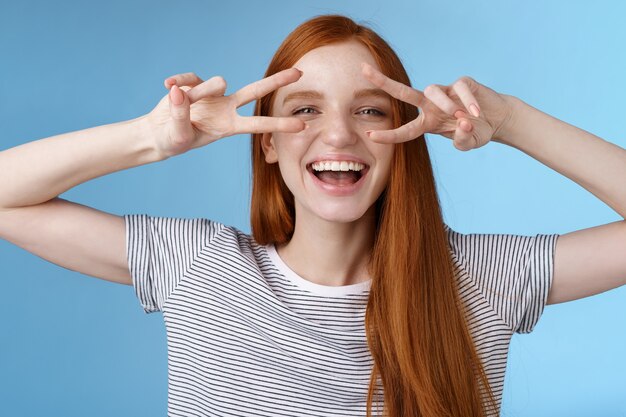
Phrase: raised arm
(592, 260)
(90, 241)
(73, 236)
(588, 261)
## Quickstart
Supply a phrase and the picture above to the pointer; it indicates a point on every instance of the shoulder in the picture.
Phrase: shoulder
(492, 246)
(456, 243)
(176, 232)
(513, 272)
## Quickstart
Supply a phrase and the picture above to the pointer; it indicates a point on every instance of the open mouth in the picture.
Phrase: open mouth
(338, 178)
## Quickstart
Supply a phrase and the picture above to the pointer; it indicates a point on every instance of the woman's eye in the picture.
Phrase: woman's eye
(304, 110)
(372, 112)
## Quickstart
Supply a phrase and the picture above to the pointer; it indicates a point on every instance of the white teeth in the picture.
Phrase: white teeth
(337, 166)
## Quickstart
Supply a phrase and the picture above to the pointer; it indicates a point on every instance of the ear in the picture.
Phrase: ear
(267, 143)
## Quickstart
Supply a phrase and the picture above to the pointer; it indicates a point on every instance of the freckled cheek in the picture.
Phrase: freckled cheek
(292, 147)
(382, 151)
(296, 145)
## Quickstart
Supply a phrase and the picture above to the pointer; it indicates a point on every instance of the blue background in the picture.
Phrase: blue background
(73, 345)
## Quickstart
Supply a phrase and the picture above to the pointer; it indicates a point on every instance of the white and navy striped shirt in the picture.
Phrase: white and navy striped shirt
(247, 336)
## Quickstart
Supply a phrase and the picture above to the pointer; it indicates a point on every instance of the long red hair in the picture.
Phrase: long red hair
(415, 323)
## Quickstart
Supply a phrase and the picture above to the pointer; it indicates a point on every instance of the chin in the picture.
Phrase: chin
(339, 213)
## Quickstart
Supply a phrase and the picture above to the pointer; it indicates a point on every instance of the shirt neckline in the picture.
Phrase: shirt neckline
(319, 289)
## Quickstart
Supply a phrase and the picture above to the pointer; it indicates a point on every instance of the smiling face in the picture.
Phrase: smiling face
(320, 165)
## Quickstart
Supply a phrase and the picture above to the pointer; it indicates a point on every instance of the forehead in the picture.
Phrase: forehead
(333, 70)
(342, 57)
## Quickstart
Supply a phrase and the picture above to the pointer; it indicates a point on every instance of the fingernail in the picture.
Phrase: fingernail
(299, 72)
(475, 110)
(176, 95)
(459, 114)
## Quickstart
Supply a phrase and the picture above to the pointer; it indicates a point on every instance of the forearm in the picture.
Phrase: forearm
(38, 171)
(593, 163)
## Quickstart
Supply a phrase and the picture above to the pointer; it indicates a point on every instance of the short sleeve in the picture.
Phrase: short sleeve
(160, 250)
(513, 272)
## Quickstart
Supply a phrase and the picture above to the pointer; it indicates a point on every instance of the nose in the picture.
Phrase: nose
(338, 130)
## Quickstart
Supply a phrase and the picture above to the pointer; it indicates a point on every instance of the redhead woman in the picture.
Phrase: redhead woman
(351, 297)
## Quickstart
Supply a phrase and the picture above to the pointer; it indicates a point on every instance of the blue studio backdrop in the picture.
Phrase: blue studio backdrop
(74, 346)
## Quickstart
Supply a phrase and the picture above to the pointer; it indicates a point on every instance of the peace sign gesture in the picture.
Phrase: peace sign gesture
(467, 112)
(196, 112)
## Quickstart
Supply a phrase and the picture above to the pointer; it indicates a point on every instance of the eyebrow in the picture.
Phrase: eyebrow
(316, 95)
(371, 92)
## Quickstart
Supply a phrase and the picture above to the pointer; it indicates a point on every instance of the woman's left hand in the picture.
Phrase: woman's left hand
(467, 112)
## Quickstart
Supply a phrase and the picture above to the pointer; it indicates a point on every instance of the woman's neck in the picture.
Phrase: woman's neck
(329, 253)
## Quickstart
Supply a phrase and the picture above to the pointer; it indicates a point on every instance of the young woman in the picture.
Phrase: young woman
(351, 294)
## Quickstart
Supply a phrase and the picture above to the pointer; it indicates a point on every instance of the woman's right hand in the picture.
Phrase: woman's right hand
(196, 113)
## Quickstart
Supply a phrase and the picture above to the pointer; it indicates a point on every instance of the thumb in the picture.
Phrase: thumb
(181, 129)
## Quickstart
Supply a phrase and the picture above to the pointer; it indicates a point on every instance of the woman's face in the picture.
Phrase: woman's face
(338, 105)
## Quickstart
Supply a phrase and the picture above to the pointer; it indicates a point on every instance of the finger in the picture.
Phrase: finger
(464, 139)
(393, 88)
(261, 88)
(462, 89)
(189, 79)
(267, 124)
(435, 94)
(215, 86)
(179, 112)
(404, 133)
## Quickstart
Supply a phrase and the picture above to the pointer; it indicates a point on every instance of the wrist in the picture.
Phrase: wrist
(145, 136)
(507, 130)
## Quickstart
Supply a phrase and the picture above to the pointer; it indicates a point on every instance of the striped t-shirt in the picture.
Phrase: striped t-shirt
(247, 336)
